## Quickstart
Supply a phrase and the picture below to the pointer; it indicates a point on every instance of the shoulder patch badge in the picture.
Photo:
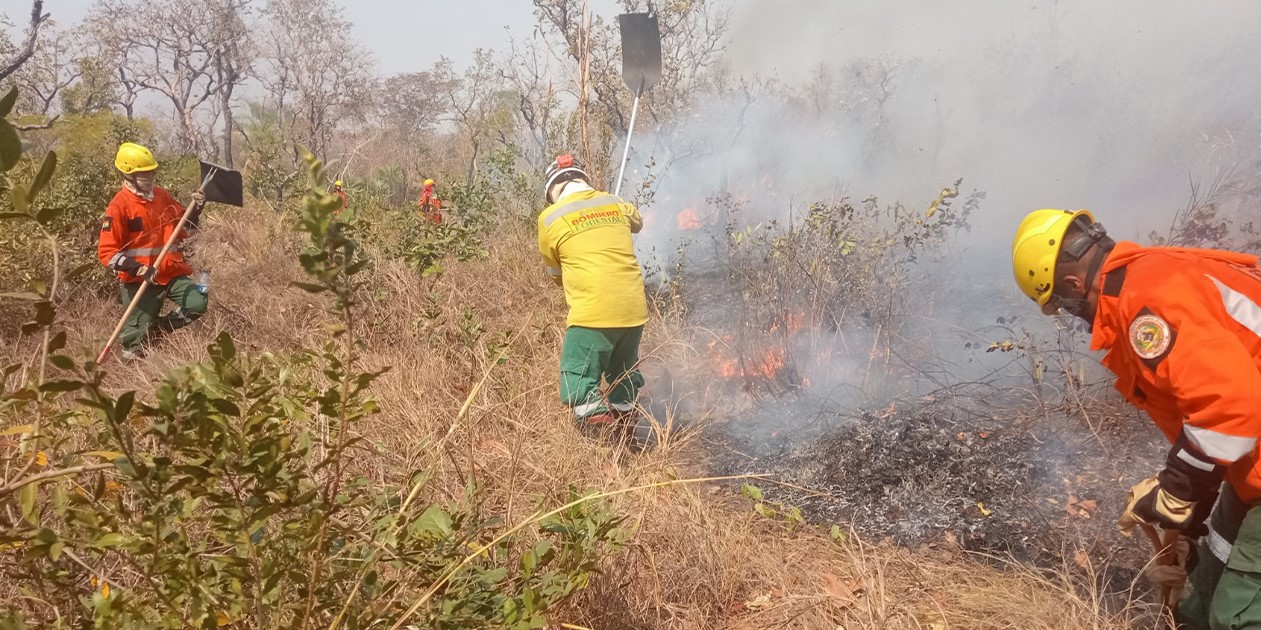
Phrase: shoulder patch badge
(107, 224)
(1150, 335)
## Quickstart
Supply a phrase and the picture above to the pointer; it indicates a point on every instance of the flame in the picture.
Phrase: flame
(688, 219)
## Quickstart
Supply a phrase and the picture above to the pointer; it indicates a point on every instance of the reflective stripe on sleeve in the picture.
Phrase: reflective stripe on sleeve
(1218, 545)
(114, 261)
(623, 406)
(582, 410)
(555, 215)
(142, 251)
(1240, 307)
(1189, 458)
(1219, 446)
(552, 271)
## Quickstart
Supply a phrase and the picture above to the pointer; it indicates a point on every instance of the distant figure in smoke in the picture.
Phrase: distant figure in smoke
(585, 239)
(430, 205)
(341, 194)
(1182, 331)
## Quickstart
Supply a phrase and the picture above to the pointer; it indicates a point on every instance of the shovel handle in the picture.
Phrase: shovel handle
(1166, 546)
(157, 264)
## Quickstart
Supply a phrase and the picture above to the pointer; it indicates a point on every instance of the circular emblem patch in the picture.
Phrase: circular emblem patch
(1150, 336)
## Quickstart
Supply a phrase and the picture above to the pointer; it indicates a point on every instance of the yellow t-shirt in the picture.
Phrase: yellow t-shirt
(585, 239)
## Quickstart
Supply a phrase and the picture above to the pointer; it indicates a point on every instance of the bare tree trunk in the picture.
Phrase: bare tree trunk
(472, 163)
(584, 78)
(225, 97)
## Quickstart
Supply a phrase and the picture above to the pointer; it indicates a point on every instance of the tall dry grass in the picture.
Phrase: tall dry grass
(700, 559)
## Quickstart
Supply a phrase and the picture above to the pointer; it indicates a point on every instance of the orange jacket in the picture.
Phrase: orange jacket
(1182, 328)
(341, 194)
(430, 205)
(138, 229)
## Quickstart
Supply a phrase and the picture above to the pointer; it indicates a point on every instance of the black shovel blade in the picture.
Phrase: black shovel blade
(641, 50)
(225, 185)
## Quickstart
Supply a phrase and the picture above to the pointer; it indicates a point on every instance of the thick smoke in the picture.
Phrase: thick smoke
(1110, 106)
(1117, 107)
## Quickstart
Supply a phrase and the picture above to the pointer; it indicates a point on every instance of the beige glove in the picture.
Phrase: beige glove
(1149, 503)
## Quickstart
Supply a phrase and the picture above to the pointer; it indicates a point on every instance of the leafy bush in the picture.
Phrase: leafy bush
(230, 494)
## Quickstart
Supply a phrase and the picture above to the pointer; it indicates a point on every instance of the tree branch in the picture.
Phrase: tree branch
(47, 125)
(51, 474)
(38, 17)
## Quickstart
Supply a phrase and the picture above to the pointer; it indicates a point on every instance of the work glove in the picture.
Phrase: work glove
(131, 266)
(146, 273)
(199, 202)
(1149, 503)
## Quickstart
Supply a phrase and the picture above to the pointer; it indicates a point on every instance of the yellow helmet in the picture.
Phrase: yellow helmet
(133, 158)
(1036, 250)
(338, 183)
(429, 182)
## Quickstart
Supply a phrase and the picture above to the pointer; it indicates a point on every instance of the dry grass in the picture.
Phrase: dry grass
(700, 559)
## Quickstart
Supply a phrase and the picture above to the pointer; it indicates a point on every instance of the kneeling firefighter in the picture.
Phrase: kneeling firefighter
(585, 240)
(1182, 332)
(138, 222)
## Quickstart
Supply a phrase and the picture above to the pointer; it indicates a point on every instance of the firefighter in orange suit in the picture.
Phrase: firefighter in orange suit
(1181, 329)
(430, 205)
(341, 194)
(137, 224)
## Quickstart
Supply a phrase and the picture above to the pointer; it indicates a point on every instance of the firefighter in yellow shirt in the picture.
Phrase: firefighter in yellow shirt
(585, 239)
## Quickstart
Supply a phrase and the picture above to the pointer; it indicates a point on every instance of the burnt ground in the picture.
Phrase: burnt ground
(1043, 492)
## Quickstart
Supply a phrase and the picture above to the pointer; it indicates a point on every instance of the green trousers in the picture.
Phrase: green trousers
(1226, 583)
(189, 305)
(590, 355)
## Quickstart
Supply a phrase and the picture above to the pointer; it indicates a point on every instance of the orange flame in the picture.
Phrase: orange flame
(688, 219)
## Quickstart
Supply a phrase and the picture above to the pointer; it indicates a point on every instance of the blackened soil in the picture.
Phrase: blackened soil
(1046, 492)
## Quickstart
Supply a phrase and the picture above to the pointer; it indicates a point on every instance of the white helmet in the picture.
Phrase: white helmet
(565, 168)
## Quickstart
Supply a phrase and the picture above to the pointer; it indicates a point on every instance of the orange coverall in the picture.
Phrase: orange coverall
(431, 205)
(1207, 382)
(137, 229)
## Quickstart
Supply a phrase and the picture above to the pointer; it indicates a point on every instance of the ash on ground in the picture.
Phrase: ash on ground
(1043, 492)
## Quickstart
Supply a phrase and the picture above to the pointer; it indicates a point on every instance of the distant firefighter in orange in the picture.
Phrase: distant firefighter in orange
(430, 205)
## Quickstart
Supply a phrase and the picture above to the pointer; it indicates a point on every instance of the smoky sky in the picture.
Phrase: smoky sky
(1113, 106)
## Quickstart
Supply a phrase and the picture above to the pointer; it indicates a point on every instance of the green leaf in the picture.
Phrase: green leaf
(751, 491)
(57, 342)
(80, 270)
(122, 406)
(42, 178)
(435, 520)
(112, 539)
(10, 147)
(61, 386)
(54, 550)
(47, 215)
(26, 499)
(124, 466)
(838, 535)
(62, 362)
(309, 287)
(8, 101)
(18, 198)
(45, 313)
